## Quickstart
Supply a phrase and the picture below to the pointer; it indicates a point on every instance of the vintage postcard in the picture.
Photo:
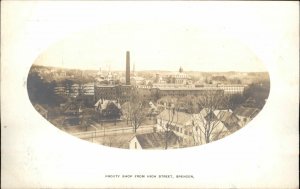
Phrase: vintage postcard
(149, 94)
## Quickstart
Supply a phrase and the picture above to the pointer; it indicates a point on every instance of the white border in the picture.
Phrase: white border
(263, 154)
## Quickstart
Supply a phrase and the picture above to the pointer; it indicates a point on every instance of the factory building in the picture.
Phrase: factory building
(178, 88)
(180, 92)
(116, 92)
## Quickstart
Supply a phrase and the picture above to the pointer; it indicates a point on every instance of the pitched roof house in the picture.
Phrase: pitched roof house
(191, 127)
(103, 104)
(230, 120)
(156, 140)
(245, 114)
(72, 108)
(207, 122)
(108, 109)
(218, 126)
(179, 122)
(174, 116)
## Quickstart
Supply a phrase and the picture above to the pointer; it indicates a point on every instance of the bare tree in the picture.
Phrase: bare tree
(135, 110)
(189, 103)
(207, 125)
(168, 125)
(126, 111)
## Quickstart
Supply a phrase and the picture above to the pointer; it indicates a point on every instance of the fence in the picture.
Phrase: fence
(109, 132)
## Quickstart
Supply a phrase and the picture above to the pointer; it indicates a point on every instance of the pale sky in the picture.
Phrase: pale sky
(154, 44)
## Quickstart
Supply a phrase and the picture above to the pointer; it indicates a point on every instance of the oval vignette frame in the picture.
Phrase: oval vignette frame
(154, 107)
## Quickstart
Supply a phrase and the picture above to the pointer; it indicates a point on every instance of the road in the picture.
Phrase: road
(112, 131)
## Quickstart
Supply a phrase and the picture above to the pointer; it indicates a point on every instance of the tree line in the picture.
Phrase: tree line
(41, 91)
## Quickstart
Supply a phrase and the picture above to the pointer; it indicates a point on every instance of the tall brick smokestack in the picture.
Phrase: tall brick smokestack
(127, 68)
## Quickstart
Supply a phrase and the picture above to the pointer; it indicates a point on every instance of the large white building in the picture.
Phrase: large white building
(232, 88)
(179, 77)
(74, 90)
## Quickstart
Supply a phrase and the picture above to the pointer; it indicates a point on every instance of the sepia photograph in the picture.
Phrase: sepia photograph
(133, 101)
(160, 94)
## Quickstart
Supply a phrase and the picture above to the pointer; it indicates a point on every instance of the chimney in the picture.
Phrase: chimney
(127, 68)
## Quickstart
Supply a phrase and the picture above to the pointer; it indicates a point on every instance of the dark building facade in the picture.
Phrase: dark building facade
(121, 93)
(107, 92)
